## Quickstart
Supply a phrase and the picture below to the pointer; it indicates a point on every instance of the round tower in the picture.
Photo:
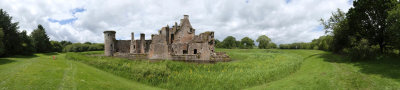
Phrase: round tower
(109, 38)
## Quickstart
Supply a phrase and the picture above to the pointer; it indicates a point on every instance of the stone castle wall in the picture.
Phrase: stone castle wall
(178, 42)
(123, 46)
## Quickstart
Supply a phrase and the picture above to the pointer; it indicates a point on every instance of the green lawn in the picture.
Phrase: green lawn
(250, 69)
(40, 72)
(323, 70)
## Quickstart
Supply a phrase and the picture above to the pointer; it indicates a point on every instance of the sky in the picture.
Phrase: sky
(284, 21)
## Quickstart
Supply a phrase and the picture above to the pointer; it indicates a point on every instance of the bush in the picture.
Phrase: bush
(56, 46)
(361, 50)
(78, 47)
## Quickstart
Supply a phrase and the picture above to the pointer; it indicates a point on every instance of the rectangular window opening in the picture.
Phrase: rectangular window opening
(172, 38)
(185, 52)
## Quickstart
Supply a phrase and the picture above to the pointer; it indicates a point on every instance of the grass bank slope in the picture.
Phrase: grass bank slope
(323, 70)
(40, 72)
(248, 68)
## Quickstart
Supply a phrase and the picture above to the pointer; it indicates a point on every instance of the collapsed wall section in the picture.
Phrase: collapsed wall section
(158, 48)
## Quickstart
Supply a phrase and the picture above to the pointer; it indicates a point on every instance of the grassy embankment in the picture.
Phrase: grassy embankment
(323, 70)
(250, 69)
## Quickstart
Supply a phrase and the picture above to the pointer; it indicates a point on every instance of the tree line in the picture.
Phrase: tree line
(230, 42)
(322, 43)
(368, 29)
(14, 42)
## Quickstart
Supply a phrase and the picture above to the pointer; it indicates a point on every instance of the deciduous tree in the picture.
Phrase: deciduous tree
(394, 28)
(229, 42)
(246, 43)
(368, 20)
(263, 41)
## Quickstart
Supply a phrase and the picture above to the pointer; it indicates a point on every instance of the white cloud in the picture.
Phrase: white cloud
(296, 21)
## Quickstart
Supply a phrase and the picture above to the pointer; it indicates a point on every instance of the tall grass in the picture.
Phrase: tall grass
(249, 68)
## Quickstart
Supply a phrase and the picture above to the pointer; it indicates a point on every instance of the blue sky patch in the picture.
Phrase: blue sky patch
(62, 22)
(78, 10)
(318, 28)
(69, 20)
(288, 1)
(350, 2)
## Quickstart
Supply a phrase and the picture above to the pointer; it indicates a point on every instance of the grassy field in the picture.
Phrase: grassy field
(40, 72)
(323, 70)
(250, 69)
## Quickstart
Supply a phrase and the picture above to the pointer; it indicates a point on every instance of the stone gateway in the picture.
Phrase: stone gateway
(178, 42)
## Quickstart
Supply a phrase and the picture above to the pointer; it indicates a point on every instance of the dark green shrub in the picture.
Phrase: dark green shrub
(78, 47)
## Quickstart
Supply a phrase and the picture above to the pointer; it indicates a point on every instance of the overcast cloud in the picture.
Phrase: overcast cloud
(284, 21)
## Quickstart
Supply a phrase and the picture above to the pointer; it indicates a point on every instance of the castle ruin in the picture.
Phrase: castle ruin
(176, 43)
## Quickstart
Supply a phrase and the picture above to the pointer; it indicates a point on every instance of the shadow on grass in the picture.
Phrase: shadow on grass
(51, 53)
(5, 61)
(24, 56)
(388, 67)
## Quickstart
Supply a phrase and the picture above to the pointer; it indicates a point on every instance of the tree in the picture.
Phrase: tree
(237, 44)
(65, 43)
(263, 42)
(87, 43)
(272, 45)
(284, 46)
(323, 43)
(41, 40)
(218, 44)
(332, 23)
(11, 38)
(229, 42)
(56, 46)
(246, 43)
(2, 49)
(367, 20)
(394, 28)
(27, 47)
(78, 47)
(337, 27)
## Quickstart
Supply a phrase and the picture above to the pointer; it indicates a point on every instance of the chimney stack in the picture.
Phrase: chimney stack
(185, 16)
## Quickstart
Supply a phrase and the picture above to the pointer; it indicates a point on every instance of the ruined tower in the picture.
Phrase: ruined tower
(133, 44)
(109, 38)
(142, 42)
